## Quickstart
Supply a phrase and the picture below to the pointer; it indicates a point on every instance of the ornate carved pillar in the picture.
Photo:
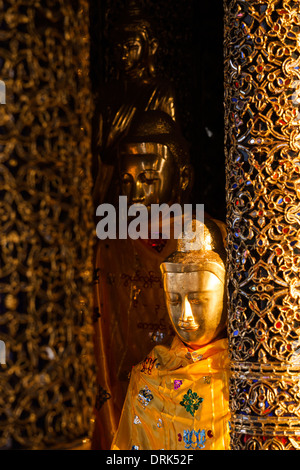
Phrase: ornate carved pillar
(262, 73)
(46, 385)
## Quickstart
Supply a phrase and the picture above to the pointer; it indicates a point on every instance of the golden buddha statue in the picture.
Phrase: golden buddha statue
(178, 396)
(135, 89)
(130, 310)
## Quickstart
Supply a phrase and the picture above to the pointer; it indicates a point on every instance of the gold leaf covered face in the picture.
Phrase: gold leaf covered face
(154, 161)
(194, 285)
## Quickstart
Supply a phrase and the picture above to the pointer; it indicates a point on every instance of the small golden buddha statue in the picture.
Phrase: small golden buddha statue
(178, 396)
(194, 282)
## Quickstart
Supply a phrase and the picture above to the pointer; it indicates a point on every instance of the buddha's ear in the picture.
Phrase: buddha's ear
(153, 47)
(186, 177)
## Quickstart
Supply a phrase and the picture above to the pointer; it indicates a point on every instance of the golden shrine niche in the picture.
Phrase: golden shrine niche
(262, 72)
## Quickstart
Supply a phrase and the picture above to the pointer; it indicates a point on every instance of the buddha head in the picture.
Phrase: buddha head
(153, 160)
(134, 43)
(194, 286)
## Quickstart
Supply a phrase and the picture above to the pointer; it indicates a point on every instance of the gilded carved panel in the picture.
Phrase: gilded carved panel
(263, 213)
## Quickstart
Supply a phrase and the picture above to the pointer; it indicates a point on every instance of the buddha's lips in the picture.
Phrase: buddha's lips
(183, 325)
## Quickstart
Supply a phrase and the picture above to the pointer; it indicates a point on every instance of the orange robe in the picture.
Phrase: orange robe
(177, 399)
(130, 317)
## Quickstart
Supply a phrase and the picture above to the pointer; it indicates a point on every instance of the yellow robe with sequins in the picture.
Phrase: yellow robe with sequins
(177, 400)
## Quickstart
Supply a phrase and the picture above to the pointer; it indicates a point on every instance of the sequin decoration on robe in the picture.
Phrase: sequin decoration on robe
(177, 399)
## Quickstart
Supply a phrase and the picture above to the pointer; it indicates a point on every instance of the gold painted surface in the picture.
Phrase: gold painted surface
(262, 174)
(134, 89)
(46, 386)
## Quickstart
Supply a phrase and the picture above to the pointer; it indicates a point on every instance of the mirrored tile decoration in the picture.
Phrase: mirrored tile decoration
(262, 144)
(46, 375)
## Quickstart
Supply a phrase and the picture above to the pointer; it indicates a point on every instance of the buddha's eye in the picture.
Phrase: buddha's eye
(173, 298)
(149, 177)
(195, 299)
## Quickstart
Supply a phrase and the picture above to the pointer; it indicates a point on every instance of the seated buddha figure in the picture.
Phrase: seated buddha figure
(130, 313)
(178, 395)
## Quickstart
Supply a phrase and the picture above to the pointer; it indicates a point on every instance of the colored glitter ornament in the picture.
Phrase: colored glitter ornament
(194, 439)
(191, 402)
(148, 364)
(137, 420)
(177, 384)
(194, 356)
(145, 396)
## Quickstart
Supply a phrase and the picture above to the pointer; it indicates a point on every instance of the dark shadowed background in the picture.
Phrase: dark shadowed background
(190, 36)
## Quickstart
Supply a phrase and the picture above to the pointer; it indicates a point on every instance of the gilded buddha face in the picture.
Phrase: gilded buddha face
(195, 303)
(148, 174)
(129, 52)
